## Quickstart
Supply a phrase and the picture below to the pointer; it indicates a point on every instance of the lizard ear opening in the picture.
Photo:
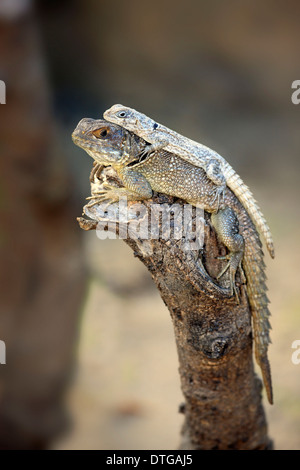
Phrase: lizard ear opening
(101, 133)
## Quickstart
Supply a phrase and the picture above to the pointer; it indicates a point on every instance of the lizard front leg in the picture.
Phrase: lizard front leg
(136, 188)
(150, 148)
(226, 225)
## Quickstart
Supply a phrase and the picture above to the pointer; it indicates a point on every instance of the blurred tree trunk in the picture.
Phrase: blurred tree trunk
(42, 276)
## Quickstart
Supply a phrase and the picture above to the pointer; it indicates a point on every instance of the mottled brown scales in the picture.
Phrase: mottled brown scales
(215, 166)
(162, 172)
(142, 173)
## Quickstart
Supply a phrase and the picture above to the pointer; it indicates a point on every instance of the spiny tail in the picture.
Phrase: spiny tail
(254, 267)
(243, 193)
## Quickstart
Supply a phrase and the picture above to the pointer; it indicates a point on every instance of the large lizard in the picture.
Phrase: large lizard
(215, 166)
(112, 145)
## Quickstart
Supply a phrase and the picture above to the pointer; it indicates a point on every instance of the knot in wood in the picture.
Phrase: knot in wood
(216, 348)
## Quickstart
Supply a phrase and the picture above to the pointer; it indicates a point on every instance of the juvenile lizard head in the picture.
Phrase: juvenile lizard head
(129, 118)
(103, 141)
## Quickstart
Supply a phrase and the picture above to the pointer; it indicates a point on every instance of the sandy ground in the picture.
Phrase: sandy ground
(126, 390)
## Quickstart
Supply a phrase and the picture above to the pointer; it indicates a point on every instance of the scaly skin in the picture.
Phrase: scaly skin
(215, 166)
(162, 171)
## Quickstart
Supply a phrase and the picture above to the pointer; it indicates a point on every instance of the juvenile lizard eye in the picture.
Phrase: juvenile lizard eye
(122, 114)
(101, 133)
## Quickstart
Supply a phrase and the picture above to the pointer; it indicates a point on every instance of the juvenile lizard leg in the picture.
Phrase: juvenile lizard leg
(214, 172)
(150, 148)
(226, 225)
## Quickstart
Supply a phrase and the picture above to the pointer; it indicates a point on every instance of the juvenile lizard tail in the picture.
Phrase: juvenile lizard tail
(254, 267)
(243, 193)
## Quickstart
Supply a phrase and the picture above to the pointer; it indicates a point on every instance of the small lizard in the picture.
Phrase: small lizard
(215, 166)
(143, 172)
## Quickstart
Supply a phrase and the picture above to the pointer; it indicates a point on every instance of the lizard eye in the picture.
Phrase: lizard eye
(122, 114)
(101, 133)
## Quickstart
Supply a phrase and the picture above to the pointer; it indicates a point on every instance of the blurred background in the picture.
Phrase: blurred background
(91, 360)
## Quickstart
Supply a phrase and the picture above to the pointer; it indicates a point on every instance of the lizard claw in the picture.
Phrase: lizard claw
(218, 193)
(150, 148)
(107, 193)
(96, 170)
(97, 199)
(233, 267)
(145, 153)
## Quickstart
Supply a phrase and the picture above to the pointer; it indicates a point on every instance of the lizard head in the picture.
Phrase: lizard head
(103, 141)
(129, 118)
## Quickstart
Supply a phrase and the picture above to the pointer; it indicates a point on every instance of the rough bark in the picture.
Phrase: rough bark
(222, 408)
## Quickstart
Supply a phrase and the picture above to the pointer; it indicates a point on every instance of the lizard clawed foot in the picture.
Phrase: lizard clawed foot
(96, 170)
(96, 202)
(112, 194)
(226, 224)
(218, 194)
(150, 148)
(234, 263)
(109, 193)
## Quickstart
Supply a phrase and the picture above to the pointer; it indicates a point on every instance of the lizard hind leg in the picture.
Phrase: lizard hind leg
(232, 266)
(226, 225)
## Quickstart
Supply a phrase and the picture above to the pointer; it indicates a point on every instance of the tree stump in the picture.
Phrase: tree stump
(213, 334)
